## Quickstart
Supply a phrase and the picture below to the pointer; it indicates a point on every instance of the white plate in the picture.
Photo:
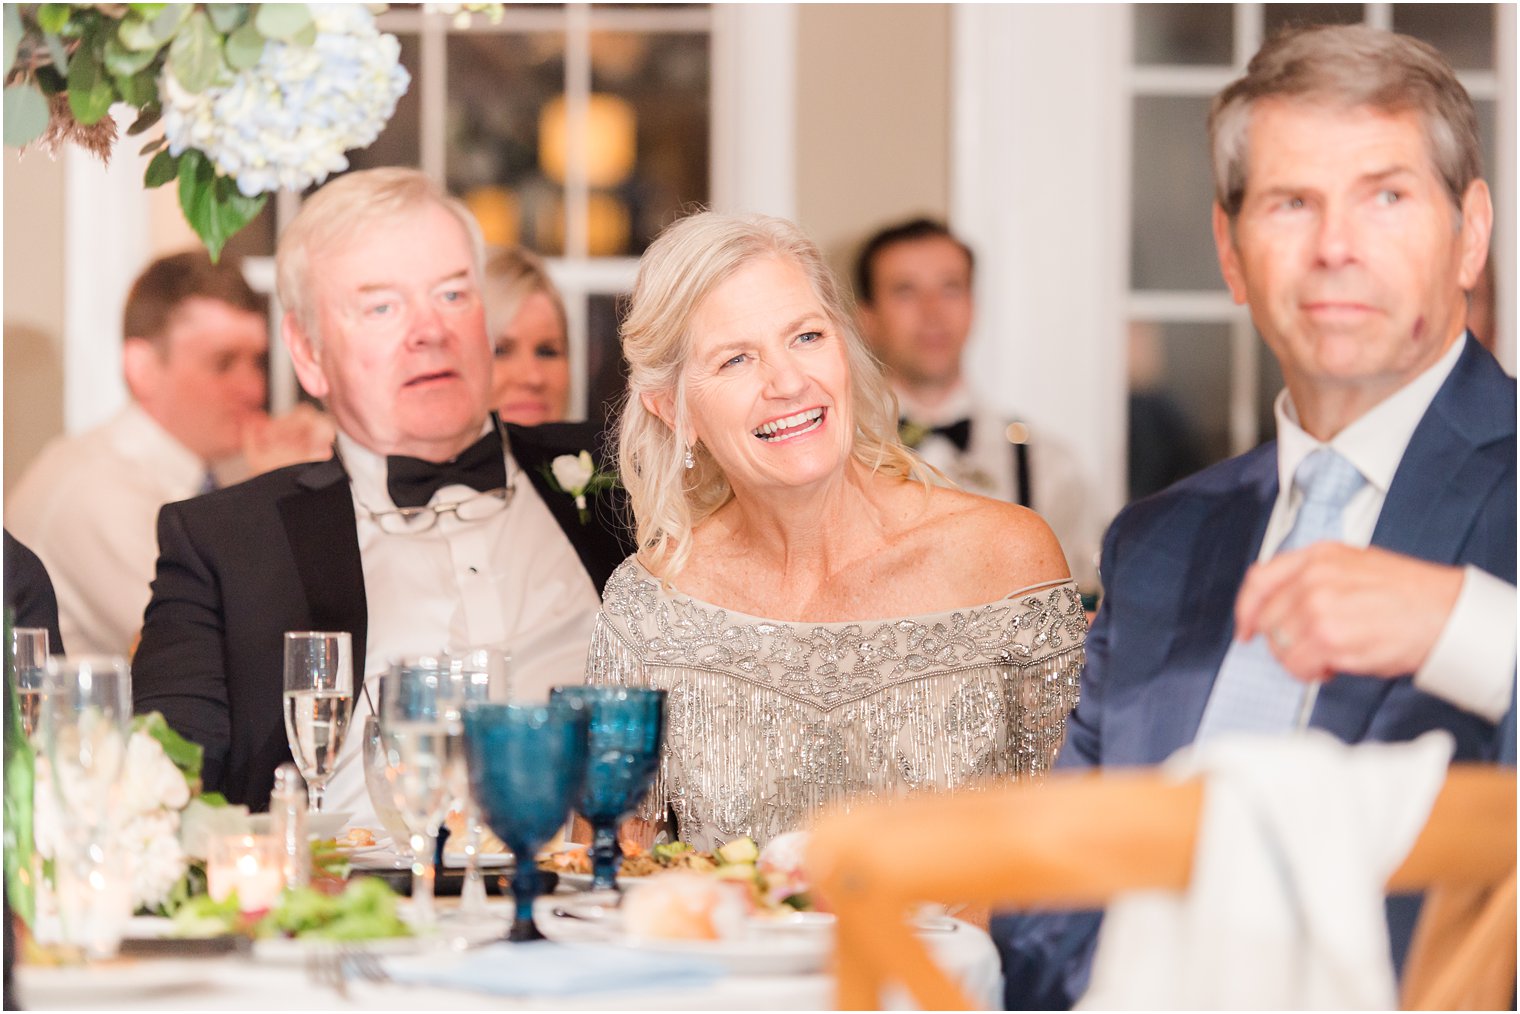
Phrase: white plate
(295, 951)
(318, 825)
(485, 860)
(772, 951)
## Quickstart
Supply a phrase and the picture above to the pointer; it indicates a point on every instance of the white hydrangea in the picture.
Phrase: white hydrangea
(286, 121)
(145, 815)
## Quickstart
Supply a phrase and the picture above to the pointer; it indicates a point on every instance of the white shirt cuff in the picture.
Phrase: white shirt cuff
(1473, 662)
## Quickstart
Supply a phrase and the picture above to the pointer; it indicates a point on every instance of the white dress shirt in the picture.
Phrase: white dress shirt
(1061, 494)
(89, 508)
(510, 581)
(1473, 662)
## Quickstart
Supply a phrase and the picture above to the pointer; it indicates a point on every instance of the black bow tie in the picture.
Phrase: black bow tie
(958, 433)
(413, 481)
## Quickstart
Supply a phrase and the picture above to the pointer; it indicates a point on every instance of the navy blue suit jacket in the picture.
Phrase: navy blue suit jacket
(1172, 567)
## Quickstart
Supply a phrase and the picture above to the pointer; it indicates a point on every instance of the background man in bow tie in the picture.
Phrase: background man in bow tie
(379, 275)
(1369, 551)
(913, 290)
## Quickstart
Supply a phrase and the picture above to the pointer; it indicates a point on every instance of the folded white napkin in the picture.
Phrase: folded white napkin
(550, 969)
(1284, 908)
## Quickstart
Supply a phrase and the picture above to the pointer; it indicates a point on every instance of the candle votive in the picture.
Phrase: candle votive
(248, 864)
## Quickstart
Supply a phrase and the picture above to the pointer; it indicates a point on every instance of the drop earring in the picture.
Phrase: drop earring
(691, 461)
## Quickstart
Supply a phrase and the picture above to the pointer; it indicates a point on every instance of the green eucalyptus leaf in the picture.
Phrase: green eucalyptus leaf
(166, 22)
(138, 90)
(147, 115)
(25, 114)
(227, 17)
(163, 168)
(212, 204)
(57, 53)
(195, 55)
(282, 21)
(52, 17)
(151, 147)
(124, 62)
(13, 33)
(244, 47)
(90, 90)
(135, 35)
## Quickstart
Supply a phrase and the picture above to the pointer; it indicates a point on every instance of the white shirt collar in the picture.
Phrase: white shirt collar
(137, 436)
(1374, 443)
(960, 403)
(367, 470)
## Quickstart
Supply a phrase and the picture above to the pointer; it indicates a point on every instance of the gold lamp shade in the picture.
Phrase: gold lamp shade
(611, 139)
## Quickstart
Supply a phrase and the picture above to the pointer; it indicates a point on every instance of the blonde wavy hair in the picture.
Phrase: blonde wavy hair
(680, 269)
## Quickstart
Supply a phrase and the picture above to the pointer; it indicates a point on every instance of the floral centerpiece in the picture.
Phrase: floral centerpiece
(250, 98)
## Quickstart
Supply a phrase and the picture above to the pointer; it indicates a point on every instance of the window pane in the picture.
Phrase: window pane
(1184, 33)
(606, 372)
(1179, 412)
(498, 85)
(1464, 33)
(400, 142)
(656, 88)
(1276, 17)
(1172, 246)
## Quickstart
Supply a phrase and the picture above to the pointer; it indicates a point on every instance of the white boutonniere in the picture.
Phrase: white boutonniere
(576, 475)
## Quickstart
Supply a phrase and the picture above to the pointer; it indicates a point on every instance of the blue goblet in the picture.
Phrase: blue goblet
(526, 765)
(626, 729)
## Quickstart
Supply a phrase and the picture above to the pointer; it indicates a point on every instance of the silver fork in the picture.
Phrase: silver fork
(324, 967)
(363, 963)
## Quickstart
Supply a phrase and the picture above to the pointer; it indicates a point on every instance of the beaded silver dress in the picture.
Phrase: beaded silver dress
(768, 722)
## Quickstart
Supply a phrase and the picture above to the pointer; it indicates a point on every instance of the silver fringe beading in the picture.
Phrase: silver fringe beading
(770, 722)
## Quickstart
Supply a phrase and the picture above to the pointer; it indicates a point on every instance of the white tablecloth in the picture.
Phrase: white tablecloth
(243, 983)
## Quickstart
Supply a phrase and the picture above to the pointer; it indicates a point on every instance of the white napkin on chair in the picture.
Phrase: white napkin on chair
(1284, 910)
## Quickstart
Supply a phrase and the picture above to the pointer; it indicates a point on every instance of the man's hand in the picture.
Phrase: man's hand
(1329, 608)
(302, 434)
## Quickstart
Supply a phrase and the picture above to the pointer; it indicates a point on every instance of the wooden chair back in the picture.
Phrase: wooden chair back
(1077, 840)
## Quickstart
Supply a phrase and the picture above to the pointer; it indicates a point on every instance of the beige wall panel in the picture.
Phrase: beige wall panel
(33, 306)
(873, 119)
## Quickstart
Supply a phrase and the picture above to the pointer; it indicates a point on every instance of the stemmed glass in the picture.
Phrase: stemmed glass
(526, 765)
(420, 726)
(481, 673)
(319, 698)
(379, 781)
(29, 656)
(84, 721)
(625, 731)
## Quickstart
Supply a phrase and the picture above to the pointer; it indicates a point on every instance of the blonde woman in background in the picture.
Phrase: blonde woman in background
(829, 625)
(525, 317)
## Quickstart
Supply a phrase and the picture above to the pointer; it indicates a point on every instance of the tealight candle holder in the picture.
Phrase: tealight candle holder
(249, 864)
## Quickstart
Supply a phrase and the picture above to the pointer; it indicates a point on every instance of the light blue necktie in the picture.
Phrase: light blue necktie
(1253, 692)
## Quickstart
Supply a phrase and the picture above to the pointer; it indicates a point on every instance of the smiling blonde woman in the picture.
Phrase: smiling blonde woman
(829, 625)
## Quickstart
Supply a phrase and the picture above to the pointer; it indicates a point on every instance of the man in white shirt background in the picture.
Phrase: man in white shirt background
(913, 287)
(380, 276)
(195, 357)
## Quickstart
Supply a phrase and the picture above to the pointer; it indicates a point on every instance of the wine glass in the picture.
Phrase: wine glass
(84, 722)
(526, 765)
(29, 656)
(624, 732)
(379, 781)
(420, 726)
(482, 673)
(319, 698)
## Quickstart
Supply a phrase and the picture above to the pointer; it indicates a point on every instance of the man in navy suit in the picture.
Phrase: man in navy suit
(1350, 215)
(432, 525)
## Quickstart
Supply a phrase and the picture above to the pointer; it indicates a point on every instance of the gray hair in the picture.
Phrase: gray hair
(1348, 66)
(678, 272)
(344, 207)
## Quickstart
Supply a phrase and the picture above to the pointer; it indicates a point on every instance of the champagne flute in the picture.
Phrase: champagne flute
(83, 722)
(420, 727)
(29, 656)
(319, 698)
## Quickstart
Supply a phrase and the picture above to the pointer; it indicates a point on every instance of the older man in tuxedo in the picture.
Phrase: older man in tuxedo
(1358, 573)
(433, 523)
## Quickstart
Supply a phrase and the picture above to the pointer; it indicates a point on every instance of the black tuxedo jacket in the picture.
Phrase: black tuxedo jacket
(240, 566)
